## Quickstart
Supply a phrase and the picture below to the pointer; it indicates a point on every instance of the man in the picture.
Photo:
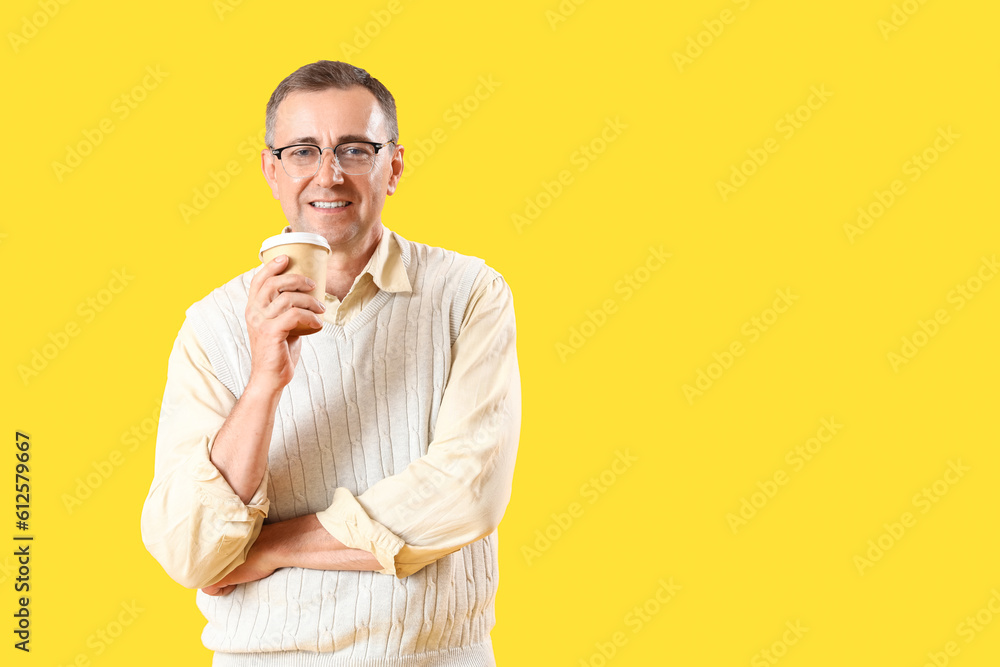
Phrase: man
(335, 496)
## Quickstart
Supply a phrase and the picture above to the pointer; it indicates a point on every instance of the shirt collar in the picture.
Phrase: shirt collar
(385, 266)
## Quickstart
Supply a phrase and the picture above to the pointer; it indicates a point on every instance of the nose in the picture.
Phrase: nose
(331, 175)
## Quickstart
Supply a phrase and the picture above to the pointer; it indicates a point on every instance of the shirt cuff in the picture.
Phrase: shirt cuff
(214, 492)
(347, 521)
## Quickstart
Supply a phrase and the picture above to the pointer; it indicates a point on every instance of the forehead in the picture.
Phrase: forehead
(329, 114)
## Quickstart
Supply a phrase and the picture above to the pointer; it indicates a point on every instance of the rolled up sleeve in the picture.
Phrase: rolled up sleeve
(192, 522)
(458, 491)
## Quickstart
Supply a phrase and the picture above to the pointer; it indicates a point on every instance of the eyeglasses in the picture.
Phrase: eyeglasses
(303, 160)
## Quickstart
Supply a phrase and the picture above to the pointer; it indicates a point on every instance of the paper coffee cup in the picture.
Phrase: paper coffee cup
(307, 255)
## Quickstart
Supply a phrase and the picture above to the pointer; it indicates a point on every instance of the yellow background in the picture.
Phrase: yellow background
(681, 129)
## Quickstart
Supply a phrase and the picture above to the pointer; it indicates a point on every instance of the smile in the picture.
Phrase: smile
(330, 204)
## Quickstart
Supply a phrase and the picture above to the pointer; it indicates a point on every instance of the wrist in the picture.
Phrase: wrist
(264, 387)
(266, 550)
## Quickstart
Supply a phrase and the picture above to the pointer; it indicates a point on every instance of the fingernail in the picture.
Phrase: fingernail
(310, 283)
(280, 258)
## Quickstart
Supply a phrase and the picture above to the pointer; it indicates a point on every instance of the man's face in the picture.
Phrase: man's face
(327, 118)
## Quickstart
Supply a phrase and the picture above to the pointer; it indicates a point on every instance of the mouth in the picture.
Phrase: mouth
(323, 205)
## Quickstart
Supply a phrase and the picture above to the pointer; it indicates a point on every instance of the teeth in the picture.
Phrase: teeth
(330, 204)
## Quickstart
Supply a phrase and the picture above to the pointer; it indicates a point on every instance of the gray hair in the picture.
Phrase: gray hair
(325, 74)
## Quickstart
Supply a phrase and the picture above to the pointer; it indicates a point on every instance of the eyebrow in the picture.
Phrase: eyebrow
(340, 140)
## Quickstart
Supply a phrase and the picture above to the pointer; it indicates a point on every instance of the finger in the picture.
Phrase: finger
(288, 300)
(267, 270)
(216, 591)
(274, 286)
(295, 318)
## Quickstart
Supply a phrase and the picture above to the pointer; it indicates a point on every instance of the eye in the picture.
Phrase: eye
(356, 151)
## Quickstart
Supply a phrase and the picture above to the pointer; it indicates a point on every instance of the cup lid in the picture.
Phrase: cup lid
(292, 237)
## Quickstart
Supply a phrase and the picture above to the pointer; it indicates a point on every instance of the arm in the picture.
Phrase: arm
(275, 306)
(208, 499)
(457, 492)
(298, 542)
(192, 522)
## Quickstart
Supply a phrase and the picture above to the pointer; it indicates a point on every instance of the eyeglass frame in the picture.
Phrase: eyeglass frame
(276, 152)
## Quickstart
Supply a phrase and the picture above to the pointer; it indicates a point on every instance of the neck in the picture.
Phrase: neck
(346, 261)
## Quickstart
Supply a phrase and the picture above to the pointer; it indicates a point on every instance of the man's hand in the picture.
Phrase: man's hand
(255, 567)
(299, 542)
(278, 303)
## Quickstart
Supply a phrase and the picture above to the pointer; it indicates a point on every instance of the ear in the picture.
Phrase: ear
(268, 166)
(396, 165)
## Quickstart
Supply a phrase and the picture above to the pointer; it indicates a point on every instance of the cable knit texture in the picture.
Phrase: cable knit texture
(362, 406)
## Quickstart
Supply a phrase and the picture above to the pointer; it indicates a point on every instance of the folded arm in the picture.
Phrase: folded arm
(457, 492)
(208, 499)
(193, 523)
(452, 496)
(298, 542)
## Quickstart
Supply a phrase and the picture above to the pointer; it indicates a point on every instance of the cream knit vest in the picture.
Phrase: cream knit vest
(361, 406)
